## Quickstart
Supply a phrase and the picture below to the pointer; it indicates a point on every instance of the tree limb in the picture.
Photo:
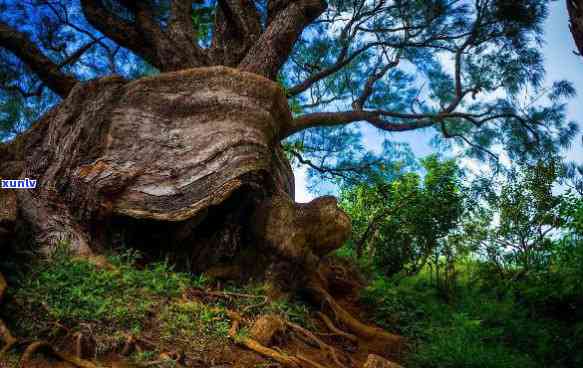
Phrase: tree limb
(322, 119)
(368, 89)
(272, 49)
(340, 63)
(119, 30)
(48, 72)
(332, 172)
(167, 51)
(237, 29)
(180, 24)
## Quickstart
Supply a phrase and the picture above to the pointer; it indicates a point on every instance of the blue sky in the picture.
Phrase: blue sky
(561, 63)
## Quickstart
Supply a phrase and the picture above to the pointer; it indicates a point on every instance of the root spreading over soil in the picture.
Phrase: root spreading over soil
(332, 337)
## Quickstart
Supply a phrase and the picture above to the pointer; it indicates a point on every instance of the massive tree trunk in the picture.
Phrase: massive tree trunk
(186, 161)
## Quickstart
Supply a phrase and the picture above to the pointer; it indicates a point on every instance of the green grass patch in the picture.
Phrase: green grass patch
(72, 291)
(189, 322)
(63, 295)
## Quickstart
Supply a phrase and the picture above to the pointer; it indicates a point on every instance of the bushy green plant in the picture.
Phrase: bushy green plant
(480, 327)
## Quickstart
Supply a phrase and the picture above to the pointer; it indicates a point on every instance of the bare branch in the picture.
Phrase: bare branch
(323, 119)
(340, 63)
(372, 79)
(320, 169)
(48, 72)
(446, 134)
(72, 59)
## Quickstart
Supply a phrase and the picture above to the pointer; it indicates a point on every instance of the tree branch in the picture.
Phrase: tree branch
(323, 119)
(72, 59)
(368, 89)
(272, 49)
(446, 134)
(48, 72)
(340, 63)
(181, 30)
(375, 221)
(320, 169)
(180, 24)
(167, 51)
(119, 30)
(237, 29)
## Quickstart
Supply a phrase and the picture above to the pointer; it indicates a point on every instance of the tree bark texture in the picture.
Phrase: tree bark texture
(192, 157)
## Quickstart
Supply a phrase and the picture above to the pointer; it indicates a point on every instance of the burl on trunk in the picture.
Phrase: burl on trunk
(188, 159)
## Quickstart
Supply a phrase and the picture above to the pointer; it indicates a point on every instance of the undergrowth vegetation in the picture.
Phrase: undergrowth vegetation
(168, 310)
(498, 284)
(476, 329)
(68, 291)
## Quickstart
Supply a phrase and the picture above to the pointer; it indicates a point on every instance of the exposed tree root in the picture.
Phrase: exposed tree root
(175, 358)
(312, 338)
(251, 344)
(84, 345)
(393, 343)
(336, 331)
(128, 346)
(266, 328)
(223, 294)
(3, 286)
(43, 345)
(133, 343)
(263, 303)
(232, 295)
(309, 361)
(9, 340)
(280, 357)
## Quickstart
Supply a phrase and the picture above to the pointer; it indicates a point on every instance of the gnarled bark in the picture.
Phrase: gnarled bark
(193, 154)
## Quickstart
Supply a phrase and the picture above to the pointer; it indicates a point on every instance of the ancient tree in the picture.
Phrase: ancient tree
(190, 160)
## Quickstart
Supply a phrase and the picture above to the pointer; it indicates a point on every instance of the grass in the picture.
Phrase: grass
(71, 291)
(65, 295)
(9, 360)
(69, 295)
(293, 310)
(188, 322)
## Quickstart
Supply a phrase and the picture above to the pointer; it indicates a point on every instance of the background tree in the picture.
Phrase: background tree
(529, 212)
(400, 223)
